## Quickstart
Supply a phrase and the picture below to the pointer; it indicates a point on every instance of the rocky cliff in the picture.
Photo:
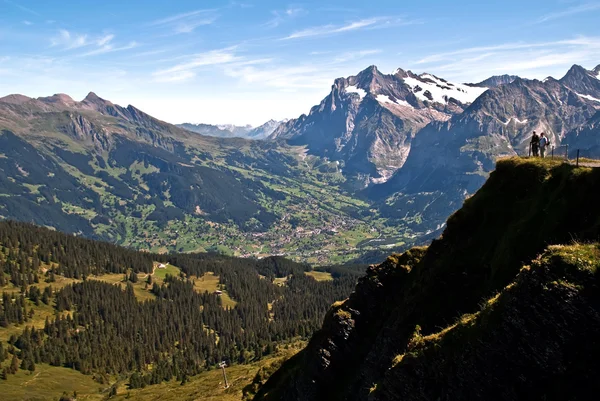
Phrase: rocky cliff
(451, 160)
(368, 121)
(478, 314)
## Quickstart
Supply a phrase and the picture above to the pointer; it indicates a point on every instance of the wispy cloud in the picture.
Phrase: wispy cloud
(582, 8)
(67, 40)
(94, 45)
(104, 40)
(149, 53)
(108, 48)
(187, 22)
(279, 17)
(314, 74)
(27, 23)
(535, 59)
(22, 8)
(356, 55)
(367, 23)
(186, 70)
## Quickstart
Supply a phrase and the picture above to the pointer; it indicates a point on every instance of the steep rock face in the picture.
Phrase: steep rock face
(586, 139)
(524, 206)
(529, 342)
(451, 160)
(84, 130)
(496, 80)
(585, 83)
(368, 121)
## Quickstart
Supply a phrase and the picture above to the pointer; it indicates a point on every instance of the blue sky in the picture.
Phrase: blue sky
(247, 61)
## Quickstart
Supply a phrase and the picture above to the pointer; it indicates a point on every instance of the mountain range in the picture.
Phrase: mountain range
(234, 131)
(379, 164)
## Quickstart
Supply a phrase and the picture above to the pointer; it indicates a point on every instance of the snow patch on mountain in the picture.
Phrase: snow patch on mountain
(353, 89)
(432, 89)
(387, 99)
(588, 97)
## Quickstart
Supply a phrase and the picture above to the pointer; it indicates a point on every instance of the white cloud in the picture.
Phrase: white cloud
(104, 40)
(332, 29)
(280, 17)
(185, 70)
(179, 76)
(108, 48)
(354, 55)
(187, 22)
(68, 41)
(534, 60)
(294, 11)
(27, 23)
(367, 23)
(582, 8)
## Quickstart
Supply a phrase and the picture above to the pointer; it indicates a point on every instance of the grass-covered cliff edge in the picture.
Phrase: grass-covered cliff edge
(505, 305)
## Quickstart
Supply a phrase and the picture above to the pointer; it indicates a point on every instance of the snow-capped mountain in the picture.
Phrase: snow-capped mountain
(451, 159)
(263, 131)
(368, 120)
(586, 83)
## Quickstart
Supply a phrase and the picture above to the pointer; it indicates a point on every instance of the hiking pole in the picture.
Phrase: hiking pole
(577, 164)
(529, 149)
(567, 153)
(552, 151)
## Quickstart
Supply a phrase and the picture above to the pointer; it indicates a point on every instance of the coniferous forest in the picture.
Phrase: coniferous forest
(103, 328)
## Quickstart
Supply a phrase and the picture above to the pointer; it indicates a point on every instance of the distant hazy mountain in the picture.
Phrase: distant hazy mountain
(265, 130)
(237, 130)
(233, 131)
(207, 129)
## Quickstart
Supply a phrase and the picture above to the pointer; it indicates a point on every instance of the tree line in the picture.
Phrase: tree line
(178, 334)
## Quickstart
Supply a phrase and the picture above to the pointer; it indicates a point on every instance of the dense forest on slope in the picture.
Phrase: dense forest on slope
(479, 314)
(69, 301)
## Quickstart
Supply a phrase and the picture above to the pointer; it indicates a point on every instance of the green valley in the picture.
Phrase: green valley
(117, 174)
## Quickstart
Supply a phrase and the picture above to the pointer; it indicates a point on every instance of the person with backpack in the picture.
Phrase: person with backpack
(543, 144)
(535, 144)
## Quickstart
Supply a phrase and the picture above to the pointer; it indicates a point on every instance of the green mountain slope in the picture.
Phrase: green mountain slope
(114, 173)
(429, 324)
(68, 302)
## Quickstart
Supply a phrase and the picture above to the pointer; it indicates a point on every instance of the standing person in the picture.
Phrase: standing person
(535, 144)
(543, 144)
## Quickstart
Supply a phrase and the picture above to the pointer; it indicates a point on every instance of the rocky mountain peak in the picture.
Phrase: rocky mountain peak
(93, 98)
(59, 98)
(583, 82)
(496, 80)
(369, 79)
(576, 71)
(400, 73)
(597, 71)
(15, 99)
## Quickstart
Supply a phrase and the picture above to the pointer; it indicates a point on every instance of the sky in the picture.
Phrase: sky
(245, 62)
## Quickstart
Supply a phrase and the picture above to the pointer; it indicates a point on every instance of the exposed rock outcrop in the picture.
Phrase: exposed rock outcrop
(398, 337)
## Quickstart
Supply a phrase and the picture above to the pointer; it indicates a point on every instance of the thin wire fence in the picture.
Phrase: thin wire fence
(571, 155)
